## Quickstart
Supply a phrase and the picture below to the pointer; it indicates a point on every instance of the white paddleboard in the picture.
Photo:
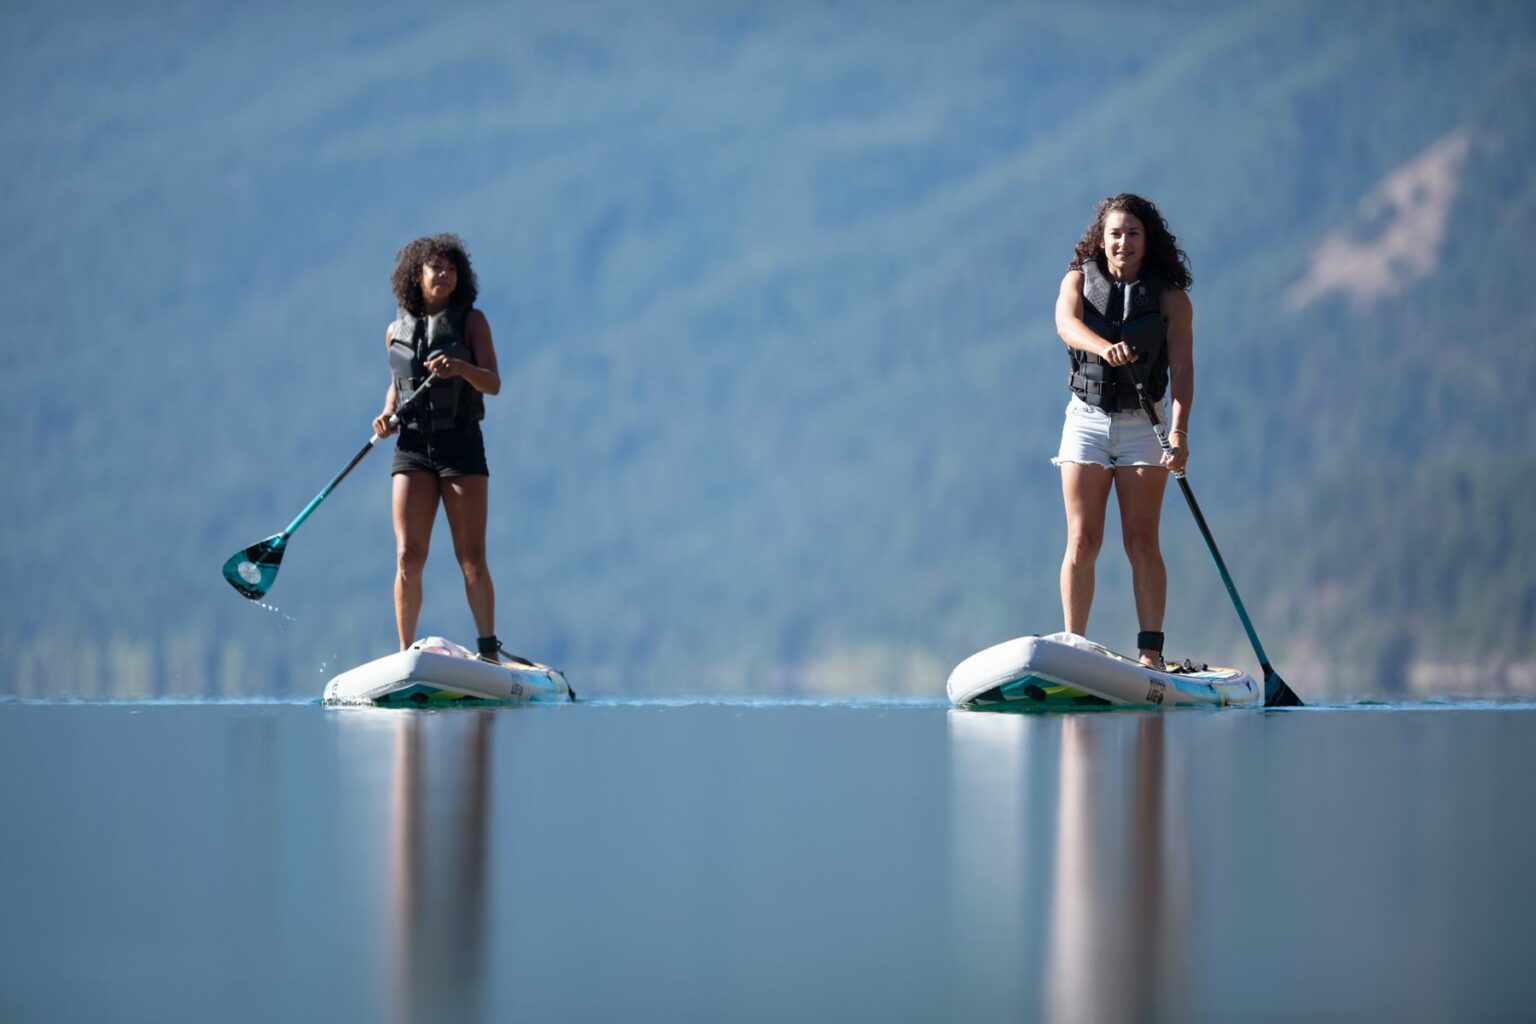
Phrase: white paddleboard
(434, 671)
(1065, 672)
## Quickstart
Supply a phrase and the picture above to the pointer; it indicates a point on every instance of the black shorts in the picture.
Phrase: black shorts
(456, 452)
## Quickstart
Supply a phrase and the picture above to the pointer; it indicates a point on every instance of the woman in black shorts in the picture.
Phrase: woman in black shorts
(439, 341)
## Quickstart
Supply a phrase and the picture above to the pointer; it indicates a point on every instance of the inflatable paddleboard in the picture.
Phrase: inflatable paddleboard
(1063, 671)
(435, 671)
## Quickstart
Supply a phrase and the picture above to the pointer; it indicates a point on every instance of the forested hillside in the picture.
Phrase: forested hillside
(771, 289)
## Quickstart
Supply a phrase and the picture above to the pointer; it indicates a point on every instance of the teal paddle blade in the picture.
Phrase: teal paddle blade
(252, 570)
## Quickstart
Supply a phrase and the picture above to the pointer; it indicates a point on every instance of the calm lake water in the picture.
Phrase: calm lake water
(765, 862)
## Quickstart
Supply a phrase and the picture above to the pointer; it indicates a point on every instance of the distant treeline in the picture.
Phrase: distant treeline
(772, 296)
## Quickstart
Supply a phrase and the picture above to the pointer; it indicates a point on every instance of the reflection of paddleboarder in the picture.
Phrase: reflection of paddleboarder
(439, 341)
(1123, 301)
(1119, 920)
(439, 814)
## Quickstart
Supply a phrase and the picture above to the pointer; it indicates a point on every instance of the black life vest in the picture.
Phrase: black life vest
(412, 342)
(1118, 312)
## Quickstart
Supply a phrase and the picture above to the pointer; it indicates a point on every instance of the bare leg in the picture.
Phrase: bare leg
(1139, 490)
(1085, 489)
(414, 498)
(464, 500)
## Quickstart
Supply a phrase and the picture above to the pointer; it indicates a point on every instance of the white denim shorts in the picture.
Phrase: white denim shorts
(1099, 438)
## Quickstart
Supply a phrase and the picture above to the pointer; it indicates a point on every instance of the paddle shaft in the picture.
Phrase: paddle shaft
(328, 488)
(1140, 378)
(394, 421)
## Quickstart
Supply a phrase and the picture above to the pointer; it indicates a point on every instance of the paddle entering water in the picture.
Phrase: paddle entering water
(1276, 693)
(252, 570)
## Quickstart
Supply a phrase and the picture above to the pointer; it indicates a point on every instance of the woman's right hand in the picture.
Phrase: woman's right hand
(1119, 354)
(381, 425)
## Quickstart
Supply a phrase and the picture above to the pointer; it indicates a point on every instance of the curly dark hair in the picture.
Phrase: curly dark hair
(1164, 259)
(406, 280)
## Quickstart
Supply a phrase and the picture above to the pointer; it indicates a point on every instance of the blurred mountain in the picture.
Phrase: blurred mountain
(772, 293)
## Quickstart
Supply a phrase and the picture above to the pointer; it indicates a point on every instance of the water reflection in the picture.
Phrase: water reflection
(436, 879)
(1121, 899)
(1071, 868)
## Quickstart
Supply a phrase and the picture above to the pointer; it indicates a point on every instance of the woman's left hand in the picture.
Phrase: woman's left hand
(1179, 457)
(445, 366)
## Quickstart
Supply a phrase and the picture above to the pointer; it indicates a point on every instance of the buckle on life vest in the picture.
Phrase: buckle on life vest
(1085, 385)
(1102, 394)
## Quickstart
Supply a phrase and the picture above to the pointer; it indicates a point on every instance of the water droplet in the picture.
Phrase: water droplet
(274, 609)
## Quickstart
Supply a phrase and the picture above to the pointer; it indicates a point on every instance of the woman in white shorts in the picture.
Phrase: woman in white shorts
(1124, 312)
